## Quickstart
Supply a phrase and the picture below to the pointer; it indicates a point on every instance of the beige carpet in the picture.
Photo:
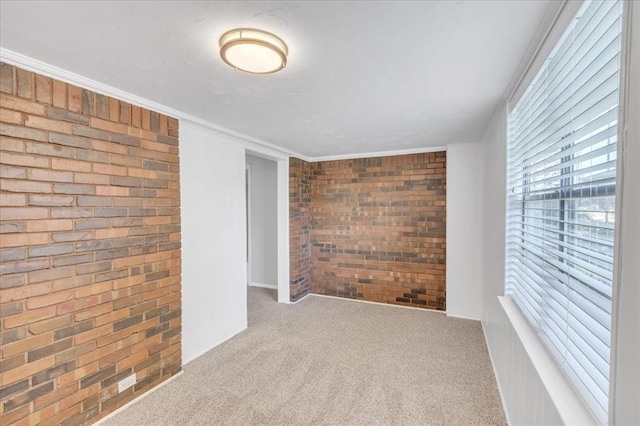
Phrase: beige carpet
(332, 361)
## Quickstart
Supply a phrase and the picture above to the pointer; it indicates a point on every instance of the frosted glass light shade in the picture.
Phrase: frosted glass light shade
(253, 51)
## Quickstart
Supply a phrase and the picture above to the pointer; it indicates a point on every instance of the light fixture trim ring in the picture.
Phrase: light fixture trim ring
(276, 45)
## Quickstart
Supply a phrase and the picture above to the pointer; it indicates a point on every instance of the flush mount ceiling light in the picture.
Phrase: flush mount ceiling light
(253, 51)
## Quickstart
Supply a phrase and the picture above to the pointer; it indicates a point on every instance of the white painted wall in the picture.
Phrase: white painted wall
(264, 221)
(214, 298)
(465, 192)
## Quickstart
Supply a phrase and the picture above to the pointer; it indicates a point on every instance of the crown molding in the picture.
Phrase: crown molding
(251, 143)
(376, 154)
(48, 70)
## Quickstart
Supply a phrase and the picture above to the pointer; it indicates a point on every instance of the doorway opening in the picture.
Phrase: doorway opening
(262, 225)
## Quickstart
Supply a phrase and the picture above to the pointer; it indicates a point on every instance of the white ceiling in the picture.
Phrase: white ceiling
(362, 76)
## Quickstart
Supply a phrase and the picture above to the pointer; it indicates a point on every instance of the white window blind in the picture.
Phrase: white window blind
(561, 174)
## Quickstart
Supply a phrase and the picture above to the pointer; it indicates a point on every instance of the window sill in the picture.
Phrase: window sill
(568, 403)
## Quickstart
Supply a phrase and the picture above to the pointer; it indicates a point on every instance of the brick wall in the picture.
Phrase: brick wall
(299, 228)
(378, 229)
(90, 250)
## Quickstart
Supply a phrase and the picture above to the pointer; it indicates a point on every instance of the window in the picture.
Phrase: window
(561, 176)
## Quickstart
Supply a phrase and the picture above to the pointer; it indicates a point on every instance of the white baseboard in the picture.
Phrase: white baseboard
(377, 303)
(133, 401)
(262, 285)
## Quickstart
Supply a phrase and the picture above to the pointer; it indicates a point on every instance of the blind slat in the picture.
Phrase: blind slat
(561, 175)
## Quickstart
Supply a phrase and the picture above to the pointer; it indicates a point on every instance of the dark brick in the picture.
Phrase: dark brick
(92, 224)
(112, 254)
(146, 363)
(62, 237)
(75, 259)
(51, 349)
(88, 102)
(70, 213)
(90, 133)
(157, 275)
(62, 114)
(143, 307)
(110, 212)
(23, 266)
(52, 373)
(168, 246)
(156, 330)
(120, 222)
(14, 334)
(74, 188)
(111, 275)
(142, 212)
(22, 132)
(98, 376)
(155, 122)
(11, 281)
(154, 165)
(127, 322)
(116, 378)
(84, 201)
(126, 181)
(156, 312)
(67, 140)
(10, 172)
(144, 193)
(125, 140)
(92, 156)
(74, 329)
(102, 106)
(6, 310)
(169, 334)
(155, 183)
(51, 200)
(11, 228)
(10, 390)
(13, 362)
(167, 140)
(51, 250)
(171, 315)
(6, 78)
(27, 397)
(7, 255)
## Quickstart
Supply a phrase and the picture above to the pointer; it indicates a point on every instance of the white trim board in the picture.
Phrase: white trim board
(263, 285)
(376, 154)
(568, 403)
(378, 303)
(34, 65)
(137, 399)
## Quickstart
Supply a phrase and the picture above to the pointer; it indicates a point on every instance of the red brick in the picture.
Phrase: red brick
(17, 104)
(59, 94)
(74, 98)
(7, 78)
(44, 89)
(8, 116)
(25, 83)
(74, 209)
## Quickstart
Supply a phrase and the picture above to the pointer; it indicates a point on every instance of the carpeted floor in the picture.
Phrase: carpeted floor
(332, 361)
